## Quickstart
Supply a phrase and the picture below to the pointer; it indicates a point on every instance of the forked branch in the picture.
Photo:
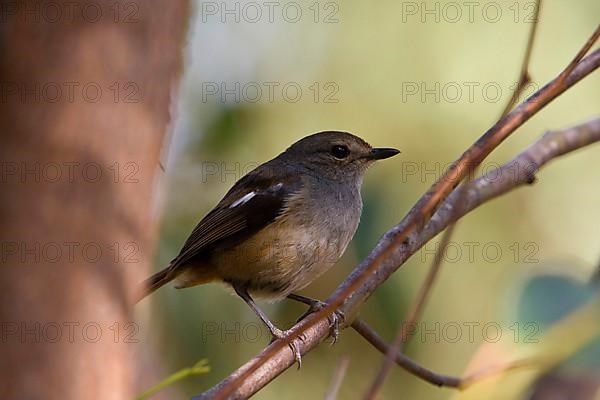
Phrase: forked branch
(424, 220)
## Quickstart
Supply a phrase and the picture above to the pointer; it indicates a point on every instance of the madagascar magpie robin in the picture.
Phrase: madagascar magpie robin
(281, 226)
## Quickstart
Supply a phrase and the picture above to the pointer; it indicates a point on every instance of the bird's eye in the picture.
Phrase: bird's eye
(340, 152)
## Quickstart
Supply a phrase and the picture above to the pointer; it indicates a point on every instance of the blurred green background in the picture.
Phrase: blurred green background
(357, 65)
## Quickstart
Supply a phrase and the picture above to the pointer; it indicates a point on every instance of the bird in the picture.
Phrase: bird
(279, 227)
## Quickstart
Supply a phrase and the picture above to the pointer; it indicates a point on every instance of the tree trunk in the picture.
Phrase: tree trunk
(85, 95)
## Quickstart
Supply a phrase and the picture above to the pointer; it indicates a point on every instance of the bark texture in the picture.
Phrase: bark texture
(86, 90)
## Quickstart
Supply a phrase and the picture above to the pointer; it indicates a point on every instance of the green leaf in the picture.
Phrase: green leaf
(201, 367)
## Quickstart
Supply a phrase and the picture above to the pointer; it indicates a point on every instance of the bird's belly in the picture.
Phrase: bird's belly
(282, 258)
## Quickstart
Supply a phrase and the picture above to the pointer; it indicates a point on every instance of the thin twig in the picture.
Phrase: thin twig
(423, 296)
(579, 328)
(577, 59)
(524, 75)
(428, 375)
(418, 306)
(522, 167)
(403, 361)
(417, 309)
(363, 281)
(412, 317)
(393, 249)
(338, 377)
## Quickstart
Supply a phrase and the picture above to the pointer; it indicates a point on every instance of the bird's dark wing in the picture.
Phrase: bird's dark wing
(250, 205)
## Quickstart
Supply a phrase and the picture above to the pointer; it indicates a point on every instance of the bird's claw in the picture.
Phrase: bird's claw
(293, 344)
(334, 319)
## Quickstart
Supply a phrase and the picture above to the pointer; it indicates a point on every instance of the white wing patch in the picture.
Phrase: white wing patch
(243, 200)
(247, 197)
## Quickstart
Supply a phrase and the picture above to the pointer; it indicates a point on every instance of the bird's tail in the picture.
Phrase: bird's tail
(156, 281)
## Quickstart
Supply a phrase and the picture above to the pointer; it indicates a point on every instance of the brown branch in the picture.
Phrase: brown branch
(417, 309)
(393, 248)
(403, 361)
(413, 315)
(516, 172)
(418, 306)
(426, 374)
(577, 59)
(423, 295)
(524, 75)
(338, 377)
(462, 383)
(388, 254)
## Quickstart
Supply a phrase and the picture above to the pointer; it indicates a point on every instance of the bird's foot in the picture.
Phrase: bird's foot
(334, 319)
(293, 344)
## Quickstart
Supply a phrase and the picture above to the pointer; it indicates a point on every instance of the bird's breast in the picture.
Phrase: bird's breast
(292, 251)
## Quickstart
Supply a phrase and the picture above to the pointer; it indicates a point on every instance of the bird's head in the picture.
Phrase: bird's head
(335, 155)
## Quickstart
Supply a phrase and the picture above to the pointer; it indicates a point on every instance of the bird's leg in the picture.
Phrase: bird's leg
(243, 293)
(275, 332)
(316, 305)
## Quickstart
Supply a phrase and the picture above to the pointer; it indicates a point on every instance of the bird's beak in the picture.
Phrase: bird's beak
(383, 152)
